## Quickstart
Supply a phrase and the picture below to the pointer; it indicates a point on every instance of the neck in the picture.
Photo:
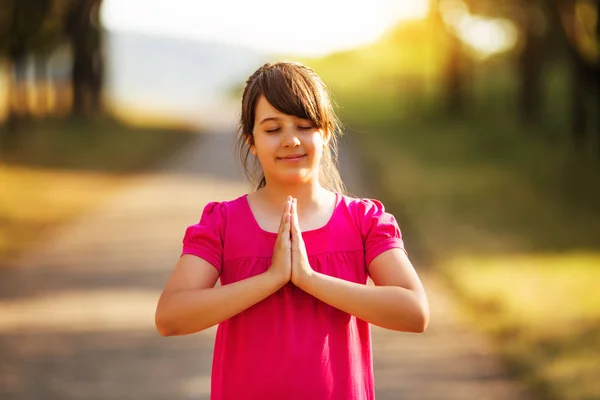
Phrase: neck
(308, 194)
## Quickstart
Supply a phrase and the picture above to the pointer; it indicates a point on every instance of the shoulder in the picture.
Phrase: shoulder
(221, 210)
(369, 215)
(363, 207)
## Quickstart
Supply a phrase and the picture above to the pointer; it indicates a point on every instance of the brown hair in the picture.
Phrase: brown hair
(293, 89)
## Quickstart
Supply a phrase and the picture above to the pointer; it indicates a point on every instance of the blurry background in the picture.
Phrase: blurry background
(475, 121)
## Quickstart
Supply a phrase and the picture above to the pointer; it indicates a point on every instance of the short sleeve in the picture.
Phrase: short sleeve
(205, 239)
(380, 231)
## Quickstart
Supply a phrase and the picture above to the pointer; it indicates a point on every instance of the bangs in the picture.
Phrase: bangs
(292, 93)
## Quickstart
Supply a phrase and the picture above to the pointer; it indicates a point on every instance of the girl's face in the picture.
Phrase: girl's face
(289, 148)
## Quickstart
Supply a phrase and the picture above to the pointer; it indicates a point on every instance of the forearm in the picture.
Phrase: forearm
(390, 307)
(189, 311)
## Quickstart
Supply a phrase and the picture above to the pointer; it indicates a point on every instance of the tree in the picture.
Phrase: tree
(32, 30)
(584, 65)
(530, 61)
(454, 72)
(85, 37)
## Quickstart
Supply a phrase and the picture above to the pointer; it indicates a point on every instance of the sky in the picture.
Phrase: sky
(299, 27)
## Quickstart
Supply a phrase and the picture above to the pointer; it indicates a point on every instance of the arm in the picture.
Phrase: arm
(397, 301)
(190, 303)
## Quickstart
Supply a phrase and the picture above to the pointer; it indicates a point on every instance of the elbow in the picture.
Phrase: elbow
(416, 322)
(164, 320)
(163, 327)
(420, 324)
(421, 320)
(170, 325)
(165, 331)
(164, 323)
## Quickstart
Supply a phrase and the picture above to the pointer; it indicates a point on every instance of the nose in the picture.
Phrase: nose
(289, 138)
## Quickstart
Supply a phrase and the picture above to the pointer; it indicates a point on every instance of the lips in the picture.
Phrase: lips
(292, 157)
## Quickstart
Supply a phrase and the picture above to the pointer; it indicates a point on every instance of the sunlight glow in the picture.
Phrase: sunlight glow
(488, 36)
(484, 36)
(312, 27)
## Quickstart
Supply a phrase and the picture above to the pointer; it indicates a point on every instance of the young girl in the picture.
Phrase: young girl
(293, 258)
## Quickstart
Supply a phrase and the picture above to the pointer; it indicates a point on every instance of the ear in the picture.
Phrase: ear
(250, 144)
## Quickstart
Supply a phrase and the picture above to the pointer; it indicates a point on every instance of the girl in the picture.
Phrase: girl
(293, 258)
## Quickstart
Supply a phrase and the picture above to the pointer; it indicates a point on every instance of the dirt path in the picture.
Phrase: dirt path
(77, 312)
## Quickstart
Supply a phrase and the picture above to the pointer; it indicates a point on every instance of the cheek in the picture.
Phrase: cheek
(264, 149)
(317, 143)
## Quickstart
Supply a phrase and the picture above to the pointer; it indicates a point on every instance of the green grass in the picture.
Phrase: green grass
(99, 145)
(543, 311)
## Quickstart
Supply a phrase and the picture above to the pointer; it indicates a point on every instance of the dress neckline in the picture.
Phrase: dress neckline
(312, 231)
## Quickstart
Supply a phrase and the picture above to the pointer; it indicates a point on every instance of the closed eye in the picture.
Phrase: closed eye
(305, 127)
(272, 130)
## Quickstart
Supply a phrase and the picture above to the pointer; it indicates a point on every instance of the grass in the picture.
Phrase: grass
(544, 312)
(507, 214)
(54, 171)
(99, 145)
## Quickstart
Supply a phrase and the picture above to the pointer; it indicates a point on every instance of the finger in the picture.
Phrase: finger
(286, 208)
(286, 231)
(295, 212)
(285, 217)
(292, 212)
(295, 227)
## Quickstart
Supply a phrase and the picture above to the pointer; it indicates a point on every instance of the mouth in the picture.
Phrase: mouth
(292, 157)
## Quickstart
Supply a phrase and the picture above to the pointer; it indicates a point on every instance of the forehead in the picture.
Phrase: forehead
(265, 109)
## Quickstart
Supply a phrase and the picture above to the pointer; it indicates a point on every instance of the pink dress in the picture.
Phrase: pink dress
(292, 345)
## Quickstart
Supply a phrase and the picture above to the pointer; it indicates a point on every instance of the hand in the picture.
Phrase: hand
(281, 262)
(301, 269)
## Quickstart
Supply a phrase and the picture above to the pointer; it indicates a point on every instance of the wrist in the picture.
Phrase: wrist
(305, 279)
(276, 279)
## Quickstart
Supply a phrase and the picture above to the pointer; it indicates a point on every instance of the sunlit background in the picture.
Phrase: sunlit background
(311, 28)
(474, 121)
(249, 32)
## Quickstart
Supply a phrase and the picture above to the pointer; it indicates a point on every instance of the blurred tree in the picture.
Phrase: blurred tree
(574, 22)
(30, 33)
(455, 68)
(26, 18)
(32, 30)
(531, 54)
(85, 36)
(532, 23)
(577, 22)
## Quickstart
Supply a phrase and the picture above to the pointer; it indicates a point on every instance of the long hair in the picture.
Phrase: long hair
(292, 89)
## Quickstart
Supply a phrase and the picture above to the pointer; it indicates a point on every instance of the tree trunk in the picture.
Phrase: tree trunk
(530, 63)
(20, 98)
(584, 76)
(40, 84)
(453, 83)
(87, 72)
(454, 78)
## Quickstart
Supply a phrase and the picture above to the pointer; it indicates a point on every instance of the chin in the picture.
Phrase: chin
(293, 179)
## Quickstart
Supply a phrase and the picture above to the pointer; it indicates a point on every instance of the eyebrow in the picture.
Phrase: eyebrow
(269, 119)
(278, 119)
